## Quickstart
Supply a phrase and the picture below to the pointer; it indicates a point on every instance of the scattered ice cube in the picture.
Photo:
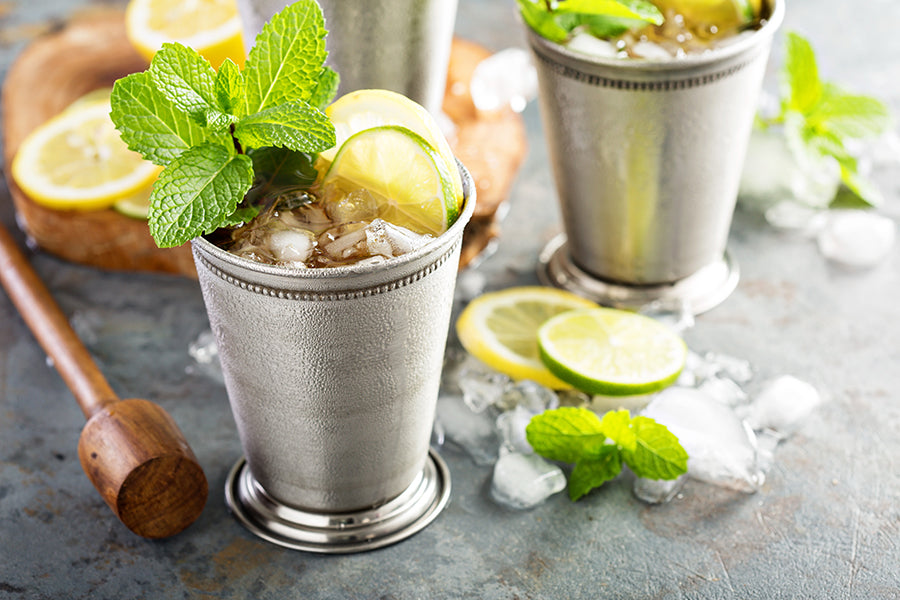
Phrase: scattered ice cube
(573, 397)
(475, 433)
(721, 448)
(737, 369)
(481, 386)
(782, 405)
(675, 313)
(528, 394)
(506, 78)
(658, 491)
(523, 481)
(857, 238)
(586, 43)
(723, 390)
(793, 217)
(511, 425)
(634, 404)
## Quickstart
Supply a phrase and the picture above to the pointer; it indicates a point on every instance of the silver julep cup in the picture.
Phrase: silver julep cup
(398, 45)
(647, 158)
(333, 377)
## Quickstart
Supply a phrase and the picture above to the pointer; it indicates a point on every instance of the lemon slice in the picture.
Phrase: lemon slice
(500, 329)
(611, 352)
(403, 172)
(725, 15)
(364, 109)
(77, 161)
(211, 27)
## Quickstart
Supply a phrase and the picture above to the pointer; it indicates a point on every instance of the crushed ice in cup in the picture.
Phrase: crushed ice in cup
(506, 78)
(586, 43)
(857, 238)
(522, 481)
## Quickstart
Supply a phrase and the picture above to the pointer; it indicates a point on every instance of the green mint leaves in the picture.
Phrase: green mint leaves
(819, 118)
(555, 20)
(599, 447)
(203, 126)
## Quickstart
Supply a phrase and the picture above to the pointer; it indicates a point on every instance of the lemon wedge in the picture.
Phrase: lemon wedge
(211, 27)
(77, 161)
(365, 109)
(500, 329)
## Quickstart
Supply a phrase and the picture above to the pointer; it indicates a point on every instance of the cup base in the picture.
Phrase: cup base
(339, 533)
(700, 292)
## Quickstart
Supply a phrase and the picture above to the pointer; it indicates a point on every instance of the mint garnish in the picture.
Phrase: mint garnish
(203, 126)
(599, 447)
(555, 19)
(819, 118)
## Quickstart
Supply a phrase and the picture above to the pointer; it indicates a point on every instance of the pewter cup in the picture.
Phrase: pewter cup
(333, 378)
(647, 158)
(399, 45)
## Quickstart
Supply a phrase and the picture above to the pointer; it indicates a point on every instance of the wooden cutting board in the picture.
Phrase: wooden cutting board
(91, 51)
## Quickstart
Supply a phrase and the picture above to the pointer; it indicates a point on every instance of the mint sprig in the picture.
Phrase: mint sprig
(555, 20)
(599, 447)
(820, 117)
(203, 126)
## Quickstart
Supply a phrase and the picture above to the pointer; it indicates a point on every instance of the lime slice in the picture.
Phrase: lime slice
(611, 352)
(403, 172)
(365, 109)
(136, 205)
(500, 329)
(211, 27)
(78, 161)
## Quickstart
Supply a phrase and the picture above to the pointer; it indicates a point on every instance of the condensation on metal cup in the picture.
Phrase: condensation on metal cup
(647, 159)
(333, 377)
(399, 45)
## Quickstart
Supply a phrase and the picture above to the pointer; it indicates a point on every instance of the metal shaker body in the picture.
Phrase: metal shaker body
(333, 374)
(647, 156)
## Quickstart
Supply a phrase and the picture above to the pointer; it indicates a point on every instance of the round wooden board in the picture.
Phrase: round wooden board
(91, 51)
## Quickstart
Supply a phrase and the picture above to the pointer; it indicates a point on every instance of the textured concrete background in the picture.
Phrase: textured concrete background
(825, 525)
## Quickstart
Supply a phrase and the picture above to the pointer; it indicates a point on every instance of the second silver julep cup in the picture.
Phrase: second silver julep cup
(647, 158)
(333, 377)
(398, 45)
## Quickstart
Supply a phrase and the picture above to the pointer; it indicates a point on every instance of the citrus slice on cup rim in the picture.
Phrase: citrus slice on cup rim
(78, 161)
(407, 177)
(500, 329)
(611, 352)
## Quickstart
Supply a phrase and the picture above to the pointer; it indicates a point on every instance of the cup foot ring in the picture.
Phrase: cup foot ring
(339, 533)
(702, 291)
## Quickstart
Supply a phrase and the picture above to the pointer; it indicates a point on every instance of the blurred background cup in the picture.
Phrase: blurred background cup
(333, 377)
(398, 45)
(647, 158)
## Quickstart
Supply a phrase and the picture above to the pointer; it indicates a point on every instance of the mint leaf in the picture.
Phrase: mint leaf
(542, 22)
(150, 123)
(281, 166)
(603, 18)
(186, 79)
(626, 9)
(295, 125)
(564, 433)
(229, 89)
(657, 453)
(594, 472)
(287, 58)
(848, 115)
(800, 75)
(197, 192)
(616, 425)
(326, 88)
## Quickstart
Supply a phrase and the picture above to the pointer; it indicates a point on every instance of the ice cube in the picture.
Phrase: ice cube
(344, 241)
(586, 43)
(511, 426)
(205, 353)
(796, 218)
(782, 405)
(657, 491)
(291, 246)
(475, 433)
(387, 239)
(573, 397)
(721, 448)
(358, 205)
(601, 404)
(650, 51)
(737, 369)
(481, 386)
(528, 394)
(523, 481)
(724, 390)
(506, 78)
(675, 313)
(857, 238)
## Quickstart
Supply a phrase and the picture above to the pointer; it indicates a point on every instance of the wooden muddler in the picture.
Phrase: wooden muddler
(132, 450)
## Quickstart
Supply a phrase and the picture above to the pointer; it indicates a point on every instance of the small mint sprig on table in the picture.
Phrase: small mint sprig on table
(212, 131)
(599, 447)
(555, 20)
(819, 118)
